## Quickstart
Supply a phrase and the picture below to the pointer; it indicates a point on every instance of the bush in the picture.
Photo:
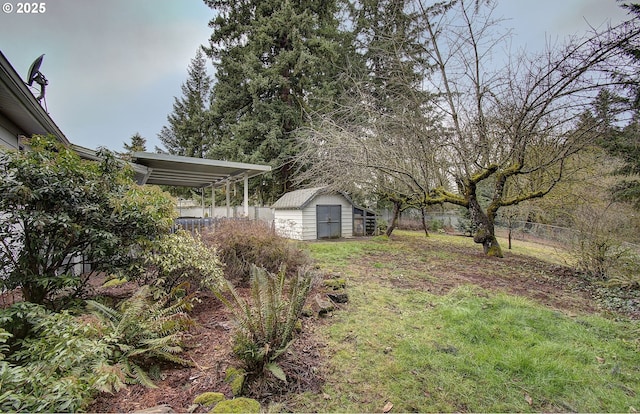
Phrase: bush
(243, 243)
(381, 226)
(58, 210)
(436, 225)
(266, 323)
(182, 258)
(55, 362)
(56, 367)
(598, 247)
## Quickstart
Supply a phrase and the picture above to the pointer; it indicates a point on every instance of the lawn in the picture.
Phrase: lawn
(433, 325)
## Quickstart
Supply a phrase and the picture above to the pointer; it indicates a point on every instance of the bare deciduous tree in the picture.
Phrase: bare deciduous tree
(509, 127)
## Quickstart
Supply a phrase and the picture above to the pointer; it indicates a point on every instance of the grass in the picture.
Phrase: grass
(469, 349)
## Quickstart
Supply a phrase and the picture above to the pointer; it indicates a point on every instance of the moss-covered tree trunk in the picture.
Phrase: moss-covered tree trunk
(394, 220)
(485, 229)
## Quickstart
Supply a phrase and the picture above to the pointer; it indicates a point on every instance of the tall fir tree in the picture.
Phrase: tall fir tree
(136, 144)
(387, 35)
(188, 130)
(276, 60)
(624, 142)
(388, 38)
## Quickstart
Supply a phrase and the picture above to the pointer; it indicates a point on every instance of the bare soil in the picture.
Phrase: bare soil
(209, 347)
(210, 343)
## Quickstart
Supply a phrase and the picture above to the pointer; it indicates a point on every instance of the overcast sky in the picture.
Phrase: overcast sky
(114, 66)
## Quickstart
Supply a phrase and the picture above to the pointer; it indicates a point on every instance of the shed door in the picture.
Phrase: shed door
(329, 221)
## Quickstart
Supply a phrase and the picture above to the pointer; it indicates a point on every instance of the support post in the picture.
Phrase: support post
(228, 191)
(246, 195)
(213, 201)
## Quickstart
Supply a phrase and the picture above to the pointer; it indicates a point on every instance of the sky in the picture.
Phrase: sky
(115, 66)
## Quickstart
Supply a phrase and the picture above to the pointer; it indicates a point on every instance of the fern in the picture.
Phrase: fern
(144, 329)
(266, 323)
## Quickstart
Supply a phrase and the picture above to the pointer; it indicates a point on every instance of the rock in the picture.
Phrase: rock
(338, 297)
(298, 326)
(235, 378)
(307, 311)
(209, 398)
(237, 405)
(321, 306)
(158, 409)
(335, 283)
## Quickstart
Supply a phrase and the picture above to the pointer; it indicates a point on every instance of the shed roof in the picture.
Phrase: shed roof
(297, 199)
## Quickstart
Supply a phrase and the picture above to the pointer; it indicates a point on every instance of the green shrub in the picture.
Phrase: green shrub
(436, 225)
(180, 257)
(381, 226)
(56, 367)
(58, 210)
(145, 328)
(55, 362)
(267, 322)
(243, 243)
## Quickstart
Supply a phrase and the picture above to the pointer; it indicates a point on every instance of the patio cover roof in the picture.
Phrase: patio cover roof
(175, 170)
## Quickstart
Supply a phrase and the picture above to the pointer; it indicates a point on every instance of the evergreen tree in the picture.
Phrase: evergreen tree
(624, 142)
(138, 143)
(188, 132)
(632, 50)
(275, 61)
(388, 36)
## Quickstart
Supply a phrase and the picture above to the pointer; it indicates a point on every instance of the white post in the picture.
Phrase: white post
(213, 201)
(246, 195)
(228, 190)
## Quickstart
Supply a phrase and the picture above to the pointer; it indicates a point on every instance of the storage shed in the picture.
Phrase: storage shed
(318, 213)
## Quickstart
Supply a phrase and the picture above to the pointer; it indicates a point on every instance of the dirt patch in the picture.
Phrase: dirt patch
(210, 350)
(556, 286)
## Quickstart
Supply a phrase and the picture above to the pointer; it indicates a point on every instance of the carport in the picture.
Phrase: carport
(179, 171)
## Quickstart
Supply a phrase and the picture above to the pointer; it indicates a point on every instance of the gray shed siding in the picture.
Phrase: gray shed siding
(310, 228)
(301, 224)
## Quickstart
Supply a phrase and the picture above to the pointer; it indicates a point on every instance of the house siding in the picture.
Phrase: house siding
(7, 138)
